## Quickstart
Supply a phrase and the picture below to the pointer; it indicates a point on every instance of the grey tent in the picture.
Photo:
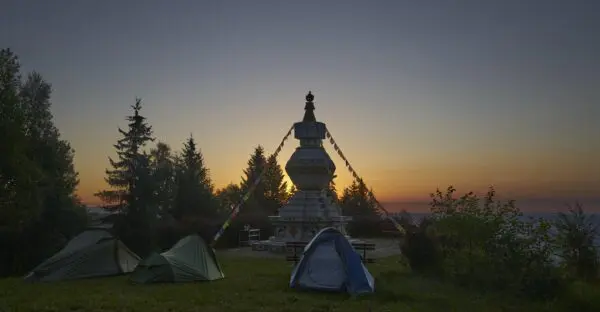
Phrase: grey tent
(93, 253)
(188, 260)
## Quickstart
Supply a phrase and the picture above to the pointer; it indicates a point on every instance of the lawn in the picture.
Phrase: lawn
(252, 284)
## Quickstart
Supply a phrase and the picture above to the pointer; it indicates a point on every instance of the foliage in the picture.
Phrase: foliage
(357, 202)
(483, 243)
(291, 191)
(275, 187)
(421, 249)
(132, 184)
(576, 234)
(195, 190)
(332, 191)
(124, 178)
(38, 206)
(256, 165)
(19, 175)
(163, 174)
(228, 196)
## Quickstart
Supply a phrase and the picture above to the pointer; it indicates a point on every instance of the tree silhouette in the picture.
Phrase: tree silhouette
(163, 175)
(194, 195)
(228, 196)
(46, 148)
(38, 206)
(130, 172)
(275, 187)
(256, 165)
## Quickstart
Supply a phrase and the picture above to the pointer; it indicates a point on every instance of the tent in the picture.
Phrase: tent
(330, 263)
(188, 260)
(93, 253)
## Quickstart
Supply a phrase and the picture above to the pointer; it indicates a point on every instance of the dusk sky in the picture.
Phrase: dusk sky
(418, 94)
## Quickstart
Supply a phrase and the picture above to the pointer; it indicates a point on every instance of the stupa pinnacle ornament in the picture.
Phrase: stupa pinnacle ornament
(311, 170)
(309, 109)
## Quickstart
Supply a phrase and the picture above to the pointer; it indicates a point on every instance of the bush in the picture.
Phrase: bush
(482, 243)
(421, 249)
(576, 234)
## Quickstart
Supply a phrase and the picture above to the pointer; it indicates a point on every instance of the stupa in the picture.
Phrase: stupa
(311, 170)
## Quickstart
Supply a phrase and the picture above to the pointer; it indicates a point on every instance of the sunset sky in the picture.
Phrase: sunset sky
(418, 94)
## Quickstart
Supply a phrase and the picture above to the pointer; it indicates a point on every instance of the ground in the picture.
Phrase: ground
(252, 284)
(384, 247)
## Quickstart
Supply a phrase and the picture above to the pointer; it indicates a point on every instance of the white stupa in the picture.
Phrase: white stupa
(311, 170)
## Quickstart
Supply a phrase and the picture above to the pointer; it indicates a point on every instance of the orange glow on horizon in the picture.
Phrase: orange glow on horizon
(397, 167)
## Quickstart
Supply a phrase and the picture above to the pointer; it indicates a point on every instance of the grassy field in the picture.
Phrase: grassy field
(253, 284)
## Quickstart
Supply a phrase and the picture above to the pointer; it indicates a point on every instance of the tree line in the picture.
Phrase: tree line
(39, 210)
(160, 187)
(160, 194)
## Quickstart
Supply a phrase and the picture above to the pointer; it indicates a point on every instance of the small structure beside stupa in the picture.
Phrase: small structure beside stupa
(311, 170)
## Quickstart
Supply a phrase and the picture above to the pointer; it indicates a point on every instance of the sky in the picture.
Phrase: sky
(417, 94)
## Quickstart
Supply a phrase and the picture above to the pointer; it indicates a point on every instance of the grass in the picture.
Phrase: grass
(253, 284)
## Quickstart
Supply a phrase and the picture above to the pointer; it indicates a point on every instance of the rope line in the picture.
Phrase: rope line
(236, 209)
(358, 179)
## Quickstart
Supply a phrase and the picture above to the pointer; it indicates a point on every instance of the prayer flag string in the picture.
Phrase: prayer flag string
(236, 208)
(361, 181)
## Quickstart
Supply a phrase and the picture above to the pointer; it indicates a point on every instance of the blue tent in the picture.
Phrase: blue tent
(330, 263)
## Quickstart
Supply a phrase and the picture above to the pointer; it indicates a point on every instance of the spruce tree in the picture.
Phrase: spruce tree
(194, 195)
(275, 186)
(332, 191)
(163, 175)
(256, 165)
(291, 191)
(356, 201)
(129, 175)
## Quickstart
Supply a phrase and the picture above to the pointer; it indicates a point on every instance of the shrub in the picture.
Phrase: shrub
(420, 248)
(576, 234)
(482, 243)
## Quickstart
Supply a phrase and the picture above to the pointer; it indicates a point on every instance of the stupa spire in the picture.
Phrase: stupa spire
(309, 108)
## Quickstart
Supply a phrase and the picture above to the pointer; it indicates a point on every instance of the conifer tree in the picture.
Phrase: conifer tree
(163, 175)
(356, 201)
(256, 165)
(291, 191)
(195, 190)
(130, 173)
(275, 186)
(332, 191)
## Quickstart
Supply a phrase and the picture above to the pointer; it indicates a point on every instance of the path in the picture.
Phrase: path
(384, 247)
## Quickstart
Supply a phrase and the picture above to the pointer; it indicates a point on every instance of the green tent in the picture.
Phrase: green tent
(93, 253)
(189, 260)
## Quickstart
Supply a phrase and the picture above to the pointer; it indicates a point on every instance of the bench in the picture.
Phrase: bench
(364, 247)
(295, 250)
